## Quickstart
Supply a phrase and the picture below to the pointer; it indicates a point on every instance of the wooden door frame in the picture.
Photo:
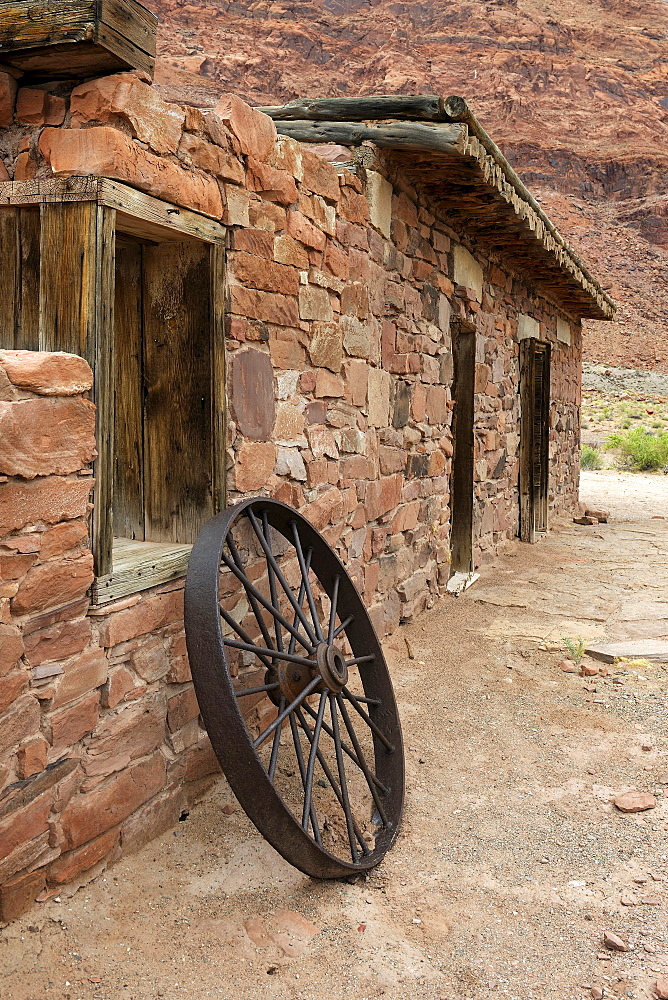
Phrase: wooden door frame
(463, 441)
(533, 509)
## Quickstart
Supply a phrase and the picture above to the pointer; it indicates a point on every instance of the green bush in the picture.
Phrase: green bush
(590, 458)
(641, 450)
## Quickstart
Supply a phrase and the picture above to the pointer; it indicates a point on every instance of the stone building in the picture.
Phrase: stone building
(378, 326)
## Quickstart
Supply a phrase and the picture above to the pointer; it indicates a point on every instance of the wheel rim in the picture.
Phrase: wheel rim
(271, 613)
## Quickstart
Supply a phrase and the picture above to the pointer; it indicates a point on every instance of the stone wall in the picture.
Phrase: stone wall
(100, 746)
(344, 291)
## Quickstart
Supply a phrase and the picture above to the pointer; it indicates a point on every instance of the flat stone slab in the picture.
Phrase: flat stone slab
(632, 649)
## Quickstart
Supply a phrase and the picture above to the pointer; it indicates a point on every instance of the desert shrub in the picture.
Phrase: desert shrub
(641, 450)
(590, 458)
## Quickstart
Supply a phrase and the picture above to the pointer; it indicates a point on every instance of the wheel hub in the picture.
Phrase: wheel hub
(332, 667)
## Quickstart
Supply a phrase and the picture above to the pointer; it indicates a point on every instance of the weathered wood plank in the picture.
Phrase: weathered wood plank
(68, 247)
(128, 502)
(103, 388)
(76, 37)
(419, 107)
(218, 377)
(138, 566)
(397, 135)
(138, 214)
(178, 474)
(26, 334)
(10, 292)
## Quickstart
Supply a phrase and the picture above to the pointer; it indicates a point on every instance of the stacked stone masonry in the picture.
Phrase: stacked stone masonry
(343, 291)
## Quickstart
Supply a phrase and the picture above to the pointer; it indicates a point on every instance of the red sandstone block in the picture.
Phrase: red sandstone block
(299, 227)
(48, 499)
(354, 207)
(25, 168)
(255, 241)
(181, 709)
(4, 173)
(273, 184)
(109, 153)
(14, 566)
(11, 687)
(19, 722)
(37, 107)
(32, 757)
(211, 159)
(254, 464)
(319, 176)
(268, 306)
(289, 251)
(87, 816)
(39, 437)
(18, 895)
(336, 261)
(69, 724)
(24, 825)
(404, 209)
(153, 819)
(62, 538)
(73, 863)
(201, 761)
(135, 732)
(383, 495)
(149, 614)
(51, 373)
(125, 99)
(179, 672)
(327, 509)
(57, 641)
(81, 675)
(54, 583)
(8, 88)
(266, 215)
(121, 684)
(255, 132)
(257, 272)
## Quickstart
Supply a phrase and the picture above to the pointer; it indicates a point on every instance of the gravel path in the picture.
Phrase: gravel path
(512, 861)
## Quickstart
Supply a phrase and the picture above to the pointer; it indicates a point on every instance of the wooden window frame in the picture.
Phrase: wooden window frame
(78, 220)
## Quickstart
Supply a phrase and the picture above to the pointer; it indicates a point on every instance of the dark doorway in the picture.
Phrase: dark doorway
(535, 438)
(461, 483)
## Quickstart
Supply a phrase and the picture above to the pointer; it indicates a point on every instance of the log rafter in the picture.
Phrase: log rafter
(438, 144)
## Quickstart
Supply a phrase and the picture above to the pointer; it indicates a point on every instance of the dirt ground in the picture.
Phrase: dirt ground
(512, 860)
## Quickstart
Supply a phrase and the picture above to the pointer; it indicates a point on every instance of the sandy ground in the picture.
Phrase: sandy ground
(512, 861)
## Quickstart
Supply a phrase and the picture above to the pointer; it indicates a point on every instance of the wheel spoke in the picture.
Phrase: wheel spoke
(361, 758)
(279, 574)
(342, 778)
(300, 599)
(263, 688)
(272, 582)
(237, 568)
(254, 593)
(346, 749)
(360, 659)
(260, 652)
(226, 616)
(309, 592)
(343, 626)
(370, 723)
(277, 742)
(286, 711)
(310, 770)
(302, 771)
(332, 611)
(332, 780)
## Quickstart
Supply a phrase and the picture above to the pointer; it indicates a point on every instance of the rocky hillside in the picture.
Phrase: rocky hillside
(575, 93)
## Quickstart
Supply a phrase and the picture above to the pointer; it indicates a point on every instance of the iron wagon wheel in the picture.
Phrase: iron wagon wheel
(294, 690)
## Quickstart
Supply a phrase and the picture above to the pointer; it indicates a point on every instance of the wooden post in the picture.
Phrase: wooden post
(76, 316)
